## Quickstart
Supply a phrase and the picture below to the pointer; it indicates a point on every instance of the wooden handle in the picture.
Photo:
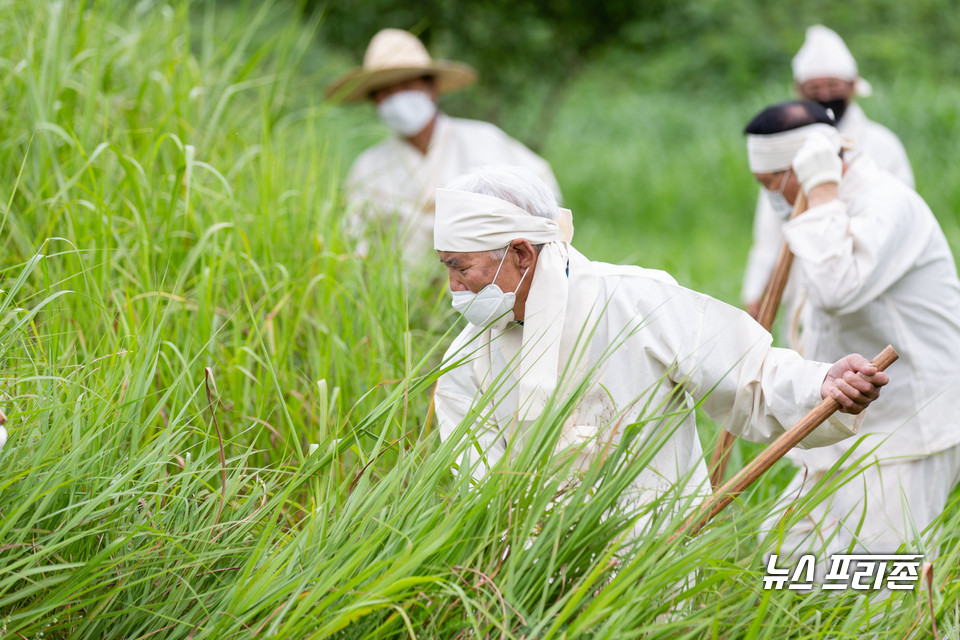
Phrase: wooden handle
(772, 297)
(788, 440)
(773, 294)
(885, 358)
(769, 304)
(721, 456)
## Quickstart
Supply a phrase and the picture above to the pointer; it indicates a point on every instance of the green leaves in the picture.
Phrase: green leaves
(172, 207)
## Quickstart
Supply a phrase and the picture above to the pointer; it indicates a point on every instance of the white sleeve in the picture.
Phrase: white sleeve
(754, 390)
(900, 165)
(848, 261)
(454, 398)
(887, 151)
(767, 240)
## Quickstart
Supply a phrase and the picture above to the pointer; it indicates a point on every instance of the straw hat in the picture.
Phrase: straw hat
(395, 56)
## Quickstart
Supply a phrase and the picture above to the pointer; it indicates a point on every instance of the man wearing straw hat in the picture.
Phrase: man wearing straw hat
(876, 269)
(396, 179)
(627, 344)
(824, 71)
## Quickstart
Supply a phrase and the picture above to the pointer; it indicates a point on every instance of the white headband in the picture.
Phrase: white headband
(774, 152)
(466, 222)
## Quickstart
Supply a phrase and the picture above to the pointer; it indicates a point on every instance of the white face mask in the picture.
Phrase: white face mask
(481, 309)
(781, 207)
(407, 113)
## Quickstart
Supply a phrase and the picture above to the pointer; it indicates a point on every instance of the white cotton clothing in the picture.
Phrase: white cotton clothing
(881, 507)
(668, 347)
(871, 138)
(393, 184)
(877, 141)
(877, 270)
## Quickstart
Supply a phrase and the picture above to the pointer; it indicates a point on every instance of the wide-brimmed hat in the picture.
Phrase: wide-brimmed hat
(395, 56)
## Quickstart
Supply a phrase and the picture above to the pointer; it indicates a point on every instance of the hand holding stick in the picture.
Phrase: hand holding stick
(789, 439)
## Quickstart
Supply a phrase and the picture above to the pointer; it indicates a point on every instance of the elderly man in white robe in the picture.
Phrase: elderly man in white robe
(543, 319)
(876, 269)
(824, 71)
(392, 184)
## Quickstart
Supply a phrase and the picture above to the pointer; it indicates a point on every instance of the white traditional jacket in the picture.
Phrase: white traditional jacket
(663, 339)
(873, 139)
(392, 183)
(877, 269)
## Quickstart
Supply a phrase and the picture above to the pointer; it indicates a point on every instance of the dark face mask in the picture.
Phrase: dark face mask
(838, 106)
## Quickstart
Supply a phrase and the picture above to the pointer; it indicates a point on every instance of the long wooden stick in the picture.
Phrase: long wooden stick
(773, 294)
(769, 304)
(789, 439)
(721, 456)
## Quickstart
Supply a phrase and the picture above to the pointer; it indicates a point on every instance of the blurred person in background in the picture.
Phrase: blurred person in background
(542, 319)
(394, 182)
(824, 71)
(876, 269)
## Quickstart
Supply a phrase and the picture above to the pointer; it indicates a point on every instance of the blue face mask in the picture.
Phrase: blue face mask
(491, 304)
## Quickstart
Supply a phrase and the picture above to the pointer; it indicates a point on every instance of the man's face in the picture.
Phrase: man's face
(473, 271)
(783, 181)
(825, 89)
(416, 84)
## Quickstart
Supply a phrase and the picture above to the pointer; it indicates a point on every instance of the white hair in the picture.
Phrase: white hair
(516, 185)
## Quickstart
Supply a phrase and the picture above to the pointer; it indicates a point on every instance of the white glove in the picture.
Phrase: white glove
(817, 162)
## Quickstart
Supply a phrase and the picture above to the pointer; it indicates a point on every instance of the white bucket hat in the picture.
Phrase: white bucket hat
(394, 56)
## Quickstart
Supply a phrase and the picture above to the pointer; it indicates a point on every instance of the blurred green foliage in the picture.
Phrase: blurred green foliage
(530, 50)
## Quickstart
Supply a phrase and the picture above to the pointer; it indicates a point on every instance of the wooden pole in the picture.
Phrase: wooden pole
(789, 439)
(721, 456)
(773, 294)
(769, 305)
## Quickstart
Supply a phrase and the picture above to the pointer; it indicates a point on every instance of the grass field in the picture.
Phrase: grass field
(218, 415)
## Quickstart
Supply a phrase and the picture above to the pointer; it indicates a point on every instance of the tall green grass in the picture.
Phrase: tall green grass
(219, 416)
